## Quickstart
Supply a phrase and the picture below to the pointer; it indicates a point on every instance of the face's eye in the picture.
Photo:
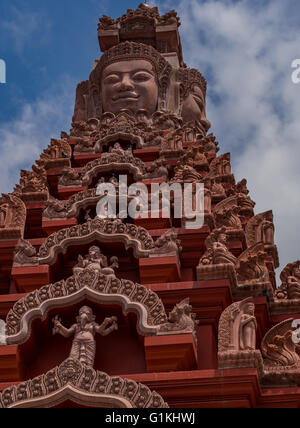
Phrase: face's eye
(111, 78)
(142, 76)
(198, 101)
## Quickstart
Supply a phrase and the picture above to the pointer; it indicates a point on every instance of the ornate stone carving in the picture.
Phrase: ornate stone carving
(240, 187)
(33, 184)
(69, 178)
(231, 211)
(216, 249)
(196, 151)
(26, 254)
(143, 10)
(116, 159)
(251, 265)
(237, 327)
(167, 245)
(279, 349)
(84, 331)
(158, 169)
(192, 99)
(181, 319)
(209, 143)
(12, 217)
(55, 209)
(97, 261)
(131, 235)
(169, 18)
(140, 130)
(290, 277)
(217, 189)
(185, 171)
(106, 23)
(220, 166)
(89, 284)
(260, 228)
(84, 146)
(82, 384)
(226, 213)
(58, 153)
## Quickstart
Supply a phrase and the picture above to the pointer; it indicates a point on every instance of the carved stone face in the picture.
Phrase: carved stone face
(94, 253)
(223, 238)
(193, 109)
(249, 309)
(129, 85)
(85, 314)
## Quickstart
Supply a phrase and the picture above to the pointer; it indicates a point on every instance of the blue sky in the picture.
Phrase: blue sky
(243, 47)
(42, 41)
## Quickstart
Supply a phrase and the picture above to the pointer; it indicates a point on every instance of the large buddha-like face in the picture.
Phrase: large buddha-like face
(193, 109)
(129, 85)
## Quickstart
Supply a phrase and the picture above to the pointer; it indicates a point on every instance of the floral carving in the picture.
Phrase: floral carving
(131, 235)
(131, 296)
(83, 384)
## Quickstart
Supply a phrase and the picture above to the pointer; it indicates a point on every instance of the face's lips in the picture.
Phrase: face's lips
(125, 96)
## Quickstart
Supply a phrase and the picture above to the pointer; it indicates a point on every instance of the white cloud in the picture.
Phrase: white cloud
(246, 48)
(23, 139)
(22, 27)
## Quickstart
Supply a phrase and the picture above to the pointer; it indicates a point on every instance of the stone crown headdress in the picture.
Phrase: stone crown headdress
(132, 50)
(190, 77)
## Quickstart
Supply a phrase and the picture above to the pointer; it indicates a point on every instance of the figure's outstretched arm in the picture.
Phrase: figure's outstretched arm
(103, 329)
(60, 329)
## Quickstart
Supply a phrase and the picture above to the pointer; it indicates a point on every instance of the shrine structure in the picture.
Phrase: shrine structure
(142, 312)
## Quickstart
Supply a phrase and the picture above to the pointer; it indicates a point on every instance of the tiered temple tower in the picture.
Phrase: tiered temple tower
(143, 311)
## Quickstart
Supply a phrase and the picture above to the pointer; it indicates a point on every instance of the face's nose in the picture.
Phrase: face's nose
(126, 83)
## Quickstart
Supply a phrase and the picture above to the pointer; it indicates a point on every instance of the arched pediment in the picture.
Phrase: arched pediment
(119, 135)
(98, 229)
(91, 285)
(82, 385)
(117, 160)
